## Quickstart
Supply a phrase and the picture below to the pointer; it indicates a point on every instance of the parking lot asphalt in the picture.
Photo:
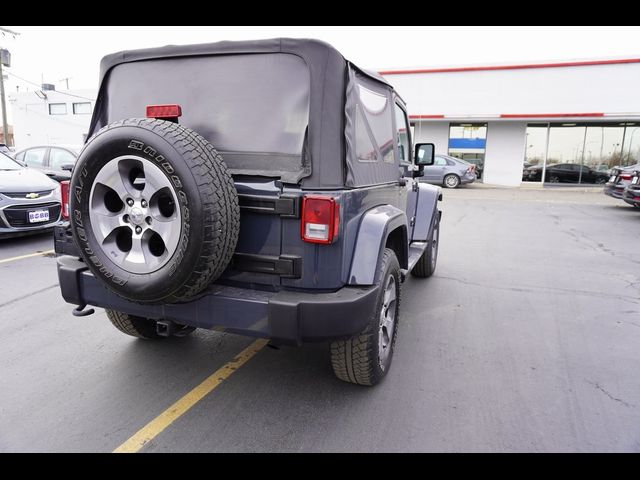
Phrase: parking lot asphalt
(527, 338)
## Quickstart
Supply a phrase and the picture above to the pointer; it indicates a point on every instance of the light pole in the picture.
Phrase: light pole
(631, 141)
(5, 125)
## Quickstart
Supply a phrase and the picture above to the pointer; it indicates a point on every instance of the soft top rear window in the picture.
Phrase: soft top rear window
(254, 108)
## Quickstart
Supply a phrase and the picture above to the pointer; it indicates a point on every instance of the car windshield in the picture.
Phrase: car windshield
(7, 163)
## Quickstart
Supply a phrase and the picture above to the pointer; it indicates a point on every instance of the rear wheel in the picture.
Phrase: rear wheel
(154, 211)
(554, 179)
(451, 181)
(141, 327)
(365, 358)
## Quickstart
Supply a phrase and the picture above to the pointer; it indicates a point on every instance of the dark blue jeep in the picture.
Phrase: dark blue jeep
(265, 188)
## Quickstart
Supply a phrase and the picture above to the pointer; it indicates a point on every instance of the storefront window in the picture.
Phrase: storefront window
(468, 141)
(631, 147)
(578, 153)
(603, 147)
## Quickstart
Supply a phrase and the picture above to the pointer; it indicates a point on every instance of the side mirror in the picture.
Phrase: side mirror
(424, 154)
(68, 167)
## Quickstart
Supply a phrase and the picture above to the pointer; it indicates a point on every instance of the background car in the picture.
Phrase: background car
(449, 172)
(55, 161)
(631, 193)
(619, 179)
(565, 173)
(30, 202)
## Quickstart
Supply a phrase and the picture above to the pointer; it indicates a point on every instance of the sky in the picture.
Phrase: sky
(54, 53)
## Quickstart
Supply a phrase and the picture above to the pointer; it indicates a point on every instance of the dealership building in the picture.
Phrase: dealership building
(576, 117)
(573, 117)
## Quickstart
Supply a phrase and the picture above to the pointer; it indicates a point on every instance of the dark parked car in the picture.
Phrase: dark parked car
(275, 207)
(30, 202)
(450, 172)
(631, 193)
(565, 173)
(619, 179)
(54, 161)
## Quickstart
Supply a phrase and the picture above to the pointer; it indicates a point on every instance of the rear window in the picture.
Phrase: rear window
(246, 105)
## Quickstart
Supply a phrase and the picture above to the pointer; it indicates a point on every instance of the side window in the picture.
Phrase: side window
(34, 157)
(57, 109)
(377, 117)
(440, 161)
(59, 157)
(402, 135)
(365, 151)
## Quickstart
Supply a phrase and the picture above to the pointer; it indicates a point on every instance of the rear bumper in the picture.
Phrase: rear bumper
(632, 196)
(468, 178)
(613, 191)
(290, 317)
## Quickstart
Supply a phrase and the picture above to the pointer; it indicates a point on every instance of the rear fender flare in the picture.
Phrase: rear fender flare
(375, 226)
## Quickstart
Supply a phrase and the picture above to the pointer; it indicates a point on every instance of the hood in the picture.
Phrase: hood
(25, 180)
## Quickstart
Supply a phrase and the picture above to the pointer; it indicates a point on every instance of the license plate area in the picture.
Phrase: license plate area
(38, 216)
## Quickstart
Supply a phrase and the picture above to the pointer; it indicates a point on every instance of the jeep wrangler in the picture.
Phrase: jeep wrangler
(265, 188)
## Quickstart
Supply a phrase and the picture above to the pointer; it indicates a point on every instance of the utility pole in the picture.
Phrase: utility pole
(66, 80)
(5, 125)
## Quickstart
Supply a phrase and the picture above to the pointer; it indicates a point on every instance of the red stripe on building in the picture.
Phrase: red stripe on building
(588, 63)
(418, 117)
(550, 115)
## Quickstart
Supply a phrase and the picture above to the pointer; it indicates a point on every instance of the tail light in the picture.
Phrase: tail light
(166, 112)
(64, 191)
(320, 219)
(624, 176)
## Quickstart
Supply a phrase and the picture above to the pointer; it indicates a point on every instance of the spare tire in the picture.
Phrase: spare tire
(154, 210)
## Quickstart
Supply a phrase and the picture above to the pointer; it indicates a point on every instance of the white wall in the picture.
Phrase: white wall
(33, 125)
(433, 132)
(609, 89)
(504, 153)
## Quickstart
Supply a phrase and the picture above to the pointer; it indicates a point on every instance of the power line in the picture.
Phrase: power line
(40, 86)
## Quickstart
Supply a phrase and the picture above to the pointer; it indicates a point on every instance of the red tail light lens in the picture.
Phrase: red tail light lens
(64, 191)
(320, 219)
(625, 177)
(164, 111)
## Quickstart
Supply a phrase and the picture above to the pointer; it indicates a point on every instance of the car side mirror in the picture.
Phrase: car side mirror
(68, 167)
(425, 153)
(415, 171)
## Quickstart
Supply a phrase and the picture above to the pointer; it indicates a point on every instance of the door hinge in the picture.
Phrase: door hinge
(412, 222)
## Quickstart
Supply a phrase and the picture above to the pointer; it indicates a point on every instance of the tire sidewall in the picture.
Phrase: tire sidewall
(140, 142)
(390, 266)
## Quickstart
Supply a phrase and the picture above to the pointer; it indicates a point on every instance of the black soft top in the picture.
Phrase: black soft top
(328, 74)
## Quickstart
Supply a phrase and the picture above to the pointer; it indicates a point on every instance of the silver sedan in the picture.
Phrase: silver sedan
(30, 201)
(450, 172)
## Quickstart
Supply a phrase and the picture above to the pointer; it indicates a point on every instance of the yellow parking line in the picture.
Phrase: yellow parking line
(171, 414)
(38, 254)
